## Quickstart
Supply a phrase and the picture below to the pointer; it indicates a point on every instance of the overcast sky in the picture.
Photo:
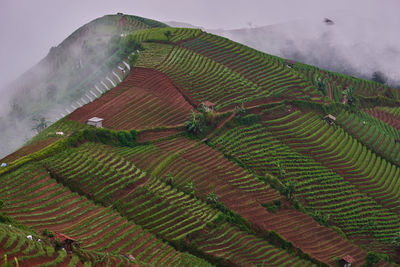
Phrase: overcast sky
(28, 28)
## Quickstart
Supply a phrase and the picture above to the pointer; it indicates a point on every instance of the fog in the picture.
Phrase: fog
(363, 38)
(348, 44)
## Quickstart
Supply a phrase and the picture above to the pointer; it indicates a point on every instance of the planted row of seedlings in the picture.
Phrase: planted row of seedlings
(321, 189)
(14, 243)
(38, 201)
(344, 158)
(262, 69)
(111, 179)
(168, 35)
(337, 150)
(377, 135)
(138, 102)
(385, 115)
(242, 249)
(205, 79)
(202, 171)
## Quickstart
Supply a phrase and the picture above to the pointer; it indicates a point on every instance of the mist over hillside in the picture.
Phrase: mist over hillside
(350, 45)
(65, 79)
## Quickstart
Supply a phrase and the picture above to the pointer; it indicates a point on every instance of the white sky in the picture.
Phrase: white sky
(28, 28)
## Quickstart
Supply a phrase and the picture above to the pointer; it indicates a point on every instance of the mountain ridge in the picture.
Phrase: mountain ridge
(247, 172)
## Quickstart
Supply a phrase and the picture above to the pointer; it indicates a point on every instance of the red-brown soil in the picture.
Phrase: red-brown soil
(145, 99)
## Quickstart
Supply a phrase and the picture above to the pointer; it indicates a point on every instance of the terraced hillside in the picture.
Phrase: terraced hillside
(211, 153)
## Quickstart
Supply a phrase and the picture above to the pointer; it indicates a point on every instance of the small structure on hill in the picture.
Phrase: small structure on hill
(330, 119)
(4, 165)
(66, 242)
(289, 63)
(328, 21)
(95, 121)
(208, 106)
(346, 261)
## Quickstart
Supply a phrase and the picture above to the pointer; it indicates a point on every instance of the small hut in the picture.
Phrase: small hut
(346, 261)
(208, 106)
(330, 119)
(289, 63)
(95, 121)
(65, 241)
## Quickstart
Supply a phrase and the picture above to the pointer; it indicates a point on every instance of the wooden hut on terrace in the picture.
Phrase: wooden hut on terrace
(95, 121)
(346, 261)
(330, 119)
(66, 242)
(208, 106)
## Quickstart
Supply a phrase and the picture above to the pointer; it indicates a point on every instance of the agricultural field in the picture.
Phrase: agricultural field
(210, 154)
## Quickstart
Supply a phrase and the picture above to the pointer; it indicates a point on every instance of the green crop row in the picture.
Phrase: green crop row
(261, 151)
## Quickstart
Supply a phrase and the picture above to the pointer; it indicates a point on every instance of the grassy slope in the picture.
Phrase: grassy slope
(207, 67)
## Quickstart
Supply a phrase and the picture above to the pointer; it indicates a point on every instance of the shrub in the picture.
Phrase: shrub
(47, 233)
(372, 258)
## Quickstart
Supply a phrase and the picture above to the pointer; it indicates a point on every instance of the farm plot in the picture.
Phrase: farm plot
(263, 69)
(106, 177)
(198, 168)
(387, 115)
(377, 135)
(38, 201)
(14, 243)
(340, 152)
(320, 188)
(145, 99)
(206, 78)
(243, 249)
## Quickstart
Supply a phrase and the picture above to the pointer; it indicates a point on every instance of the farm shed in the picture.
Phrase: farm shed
(289, 63)
(208, 106)
(330, 119)
(346, 261)
(95, 121)
(65, 241)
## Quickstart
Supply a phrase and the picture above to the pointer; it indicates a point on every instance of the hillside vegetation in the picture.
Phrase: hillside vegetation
(258, 177)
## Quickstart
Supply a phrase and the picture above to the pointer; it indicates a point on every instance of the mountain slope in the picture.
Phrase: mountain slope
(255, 177)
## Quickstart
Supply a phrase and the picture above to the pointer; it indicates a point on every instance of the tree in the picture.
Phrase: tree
(40, 124)
(170, 180)
(379, 77)
(288, 189)
(194, 125)
(350, 95)
(212, 197)
(191, 187)
(168, 34)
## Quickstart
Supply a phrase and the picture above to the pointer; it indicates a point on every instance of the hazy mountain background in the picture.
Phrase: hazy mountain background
(355, 46)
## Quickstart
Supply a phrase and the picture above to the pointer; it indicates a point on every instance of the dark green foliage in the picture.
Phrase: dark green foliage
(127, 45)
(168, 34)
(372, 258)
(170, 180)
(106, 136)
(288, 189)
(40, 124)
(195, 124)
(248, 119)
(279, 241)
(321, 218)
(47, 233)
(379, 77)
(57, 245)
(233, 218)
(212, 197)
